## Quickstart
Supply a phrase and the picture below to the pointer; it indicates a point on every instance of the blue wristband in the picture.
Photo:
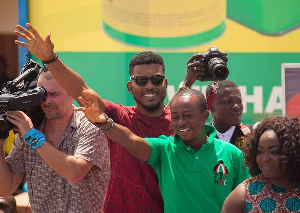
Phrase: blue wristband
(34, 139)
(37, 144)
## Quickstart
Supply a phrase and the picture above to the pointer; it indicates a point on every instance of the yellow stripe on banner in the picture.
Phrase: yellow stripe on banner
(77, 26)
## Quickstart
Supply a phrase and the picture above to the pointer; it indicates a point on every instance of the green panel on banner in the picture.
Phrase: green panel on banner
(272, 17)
(258, 74)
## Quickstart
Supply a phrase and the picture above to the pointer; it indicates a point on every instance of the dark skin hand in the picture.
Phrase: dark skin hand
(195, 68)
(90, 107)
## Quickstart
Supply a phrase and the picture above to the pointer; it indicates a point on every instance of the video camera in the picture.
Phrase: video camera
(23, 94)
(215, 65)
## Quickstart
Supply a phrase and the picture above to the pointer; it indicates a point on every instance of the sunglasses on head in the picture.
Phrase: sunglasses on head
(142, 80)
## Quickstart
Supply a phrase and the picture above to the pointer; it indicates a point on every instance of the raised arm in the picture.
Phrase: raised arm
(194, 69)
(137, 146)
(43, 49)
(68, 166)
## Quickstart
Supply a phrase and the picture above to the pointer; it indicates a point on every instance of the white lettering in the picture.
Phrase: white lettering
(272, 104)
(170, 92)
(256, 98)
(274, 101)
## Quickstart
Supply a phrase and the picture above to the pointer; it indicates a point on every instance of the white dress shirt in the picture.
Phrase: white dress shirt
(226, 136)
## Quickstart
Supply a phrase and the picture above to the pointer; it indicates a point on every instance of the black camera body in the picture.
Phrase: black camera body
(22, 94)
(215, 65)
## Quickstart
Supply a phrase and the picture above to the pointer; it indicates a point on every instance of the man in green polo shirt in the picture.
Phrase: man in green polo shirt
(196, 171)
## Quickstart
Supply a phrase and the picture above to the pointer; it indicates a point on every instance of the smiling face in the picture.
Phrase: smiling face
(267, 158)
(149, 98)
(188, 121)
(227, 108)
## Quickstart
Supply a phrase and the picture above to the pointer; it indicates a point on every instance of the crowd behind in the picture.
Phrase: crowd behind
(151, 157)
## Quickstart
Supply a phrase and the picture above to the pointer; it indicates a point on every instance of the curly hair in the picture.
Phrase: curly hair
(287, 130)
(145, 57)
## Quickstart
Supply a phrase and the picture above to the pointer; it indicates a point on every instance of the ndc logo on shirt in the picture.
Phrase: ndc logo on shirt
(220, 174)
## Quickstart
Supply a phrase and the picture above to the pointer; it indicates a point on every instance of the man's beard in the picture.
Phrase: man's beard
(152, 108)
(53, 115)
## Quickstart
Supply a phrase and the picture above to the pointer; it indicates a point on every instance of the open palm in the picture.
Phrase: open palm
(35, 44)
(90, 107)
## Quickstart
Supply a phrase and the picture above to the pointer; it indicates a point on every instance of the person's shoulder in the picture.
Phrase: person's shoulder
(226, 146)
(235, 201)
(162, 139)
(80, 115)
(112, 105)
(256, 178)
(120, 112)
(81, 121)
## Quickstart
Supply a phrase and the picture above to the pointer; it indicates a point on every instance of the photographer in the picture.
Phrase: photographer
(224, 101)
(65, 161)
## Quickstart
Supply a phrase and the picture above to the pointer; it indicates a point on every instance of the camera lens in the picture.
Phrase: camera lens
(218, 68)
(221, 72)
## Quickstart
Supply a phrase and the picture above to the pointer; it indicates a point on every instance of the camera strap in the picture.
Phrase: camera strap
(211, 97)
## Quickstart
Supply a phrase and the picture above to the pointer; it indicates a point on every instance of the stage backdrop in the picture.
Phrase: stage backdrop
(97, 38)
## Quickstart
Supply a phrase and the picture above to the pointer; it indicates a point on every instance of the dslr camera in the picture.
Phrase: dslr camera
(22, 94)
(215, 65)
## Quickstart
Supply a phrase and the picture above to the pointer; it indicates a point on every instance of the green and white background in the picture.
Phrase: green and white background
(256, 40)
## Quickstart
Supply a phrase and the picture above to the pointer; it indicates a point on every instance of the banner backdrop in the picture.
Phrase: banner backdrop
(98, 38)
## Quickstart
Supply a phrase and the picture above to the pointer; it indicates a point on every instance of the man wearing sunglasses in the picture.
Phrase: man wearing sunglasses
(133, 186)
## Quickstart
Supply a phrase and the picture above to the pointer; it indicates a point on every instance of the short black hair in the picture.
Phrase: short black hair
(192, 92)
(221, 85)
(287, 130)
(146, 57)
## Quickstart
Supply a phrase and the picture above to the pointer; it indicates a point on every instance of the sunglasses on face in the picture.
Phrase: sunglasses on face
(142, 80)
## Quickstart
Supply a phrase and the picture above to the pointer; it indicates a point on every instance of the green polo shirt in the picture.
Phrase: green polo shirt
(193, 181)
